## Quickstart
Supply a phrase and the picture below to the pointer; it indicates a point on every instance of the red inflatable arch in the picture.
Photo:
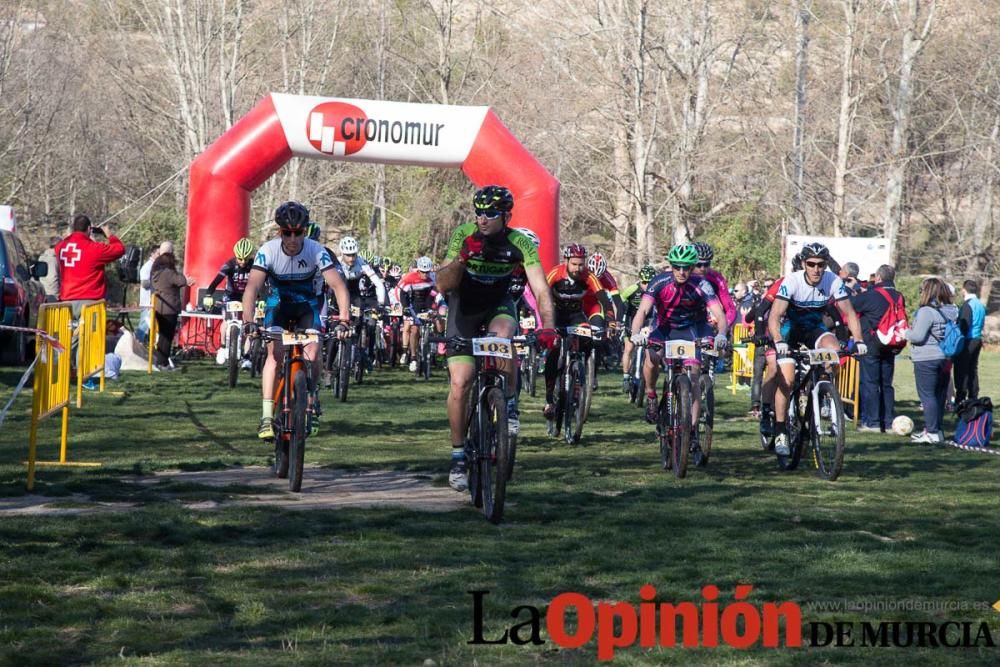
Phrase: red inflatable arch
(283, 126)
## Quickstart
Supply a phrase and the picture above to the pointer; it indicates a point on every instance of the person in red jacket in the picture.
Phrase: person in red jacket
(82, 257)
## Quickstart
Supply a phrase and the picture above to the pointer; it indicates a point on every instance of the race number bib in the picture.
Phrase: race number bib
(289, 338)
(823, 357)
(492, 347)
(355, 311)
(582, 332)
(396, 310)
(527, 322)
(234, 307)
(679, 349)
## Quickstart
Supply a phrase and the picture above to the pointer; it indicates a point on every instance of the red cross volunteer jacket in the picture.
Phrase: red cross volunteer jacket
(81, 265)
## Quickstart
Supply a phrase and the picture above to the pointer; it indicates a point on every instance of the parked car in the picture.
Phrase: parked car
(22, 296)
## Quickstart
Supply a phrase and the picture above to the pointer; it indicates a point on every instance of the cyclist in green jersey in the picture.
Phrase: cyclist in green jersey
(631, 298)
(476, 276)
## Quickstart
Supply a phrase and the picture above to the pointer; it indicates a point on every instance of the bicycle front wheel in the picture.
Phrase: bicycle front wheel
(297, 441)
(494, 454)
(576, 403)
(588, 384)
(680, 435)
(233, 345)
(342, 370)
(827, 419)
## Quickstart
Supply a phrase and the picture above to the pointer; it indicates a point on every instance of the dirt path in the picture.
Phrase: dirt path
(322, 488)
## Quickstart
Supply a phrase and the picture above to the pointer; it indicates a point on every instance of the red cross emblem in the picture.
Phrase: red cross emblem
(70, 255)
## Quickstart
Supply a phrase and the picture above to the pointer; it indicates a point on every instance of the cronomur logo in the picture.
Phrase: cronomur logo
(341, 129)
(327, 125)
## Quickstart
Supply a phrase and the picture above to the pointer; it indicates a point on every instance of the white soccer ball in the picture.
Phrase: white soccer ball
(902, 425)
(222, 358)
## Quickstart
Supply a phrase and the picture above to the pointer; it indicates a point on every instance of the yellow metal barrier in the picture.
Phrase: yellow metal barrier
(92, 333)
(154, 332)
(743, 355)
(849, 387)
(52, 380)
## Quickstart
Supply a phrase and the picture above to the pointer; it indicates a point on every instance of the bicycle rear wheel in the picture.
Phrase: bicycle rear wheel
(796, 435)
(827, 432)
(680, 435)
(706, 421)
(532, 371)
(297, 441)
(256, 356)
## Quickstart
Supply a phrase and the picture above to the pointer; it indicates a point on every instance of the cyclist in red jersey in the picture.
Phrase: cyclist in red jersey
(578, 298)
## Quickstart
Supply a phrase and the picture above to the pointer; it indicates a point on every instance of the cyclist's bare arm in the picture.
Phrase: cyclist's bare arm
(543, 295)
(853, 323)
(640, 316)
(336, 283)
(254, 283)
(774, 319)
(449, 276)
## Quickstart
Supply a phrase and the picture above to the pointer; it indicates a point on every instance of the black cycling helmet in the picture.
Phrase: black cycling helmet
(797, 262)
(646, 273)
(492, 198)
(814, 249)
(291, 215)
(705, 253)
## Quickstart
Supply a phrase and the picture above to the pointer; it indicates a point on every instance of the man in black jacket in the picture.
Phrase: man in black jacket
(877, 367)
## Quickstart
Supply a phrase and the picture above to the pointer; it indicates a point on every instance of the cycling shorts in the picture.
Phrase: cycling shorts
(293, 315)
(468, 325)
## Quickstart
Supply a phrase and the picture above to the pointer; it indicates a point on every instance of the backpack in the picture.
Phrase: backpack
(953, 341)
(890, 334)
(128, 264)
(975, 422)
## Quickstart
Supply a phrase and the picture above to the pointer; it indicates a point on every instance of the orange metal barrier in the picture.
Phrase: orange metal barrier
(743, 355)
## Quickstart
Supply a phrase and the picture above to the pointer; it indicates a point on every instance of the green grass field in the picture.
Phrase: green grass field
(161, 583)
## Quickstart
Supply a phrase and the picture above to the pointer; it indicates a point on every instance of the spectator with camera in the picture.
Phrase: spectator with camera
(82, 257)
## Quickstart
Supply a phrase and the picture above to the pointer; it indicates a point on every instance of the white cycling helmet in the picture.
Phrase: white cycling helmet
(349, 245)
(597, 264)
(531, 235)
(425, 264)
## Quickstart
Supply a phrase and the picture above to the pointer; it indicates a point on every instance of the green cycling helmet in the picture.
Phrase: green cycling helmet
(244, 249)
(646, 273)
(683, 254)
(367, 255)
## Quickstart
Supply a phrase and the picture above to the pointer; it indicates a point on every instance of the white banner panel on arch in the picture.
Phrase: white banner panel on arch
(378, 131)
(867, 253)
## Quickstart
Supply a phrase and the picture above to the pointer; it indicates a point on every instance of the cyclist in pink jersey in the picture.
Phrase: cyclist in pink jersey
(704, 269)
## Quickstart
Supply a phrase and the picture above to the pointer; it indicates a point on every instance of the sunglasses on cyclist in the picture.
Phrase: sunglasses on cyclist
(815, 265)
(702, 265)
(678, 267)
(490, 215)
(292, 232)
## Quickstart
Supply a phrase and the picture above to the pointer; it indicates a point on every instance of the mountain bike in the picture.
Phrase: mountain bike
(291, 402)
(527, 356)
(257, 352)
(488, 453)
(393, 334)
(591, 370)
(815, 413)
(338, 360)
(635, 386)
(706, 414)
(425, 347)
(673, 425)
(570, 389)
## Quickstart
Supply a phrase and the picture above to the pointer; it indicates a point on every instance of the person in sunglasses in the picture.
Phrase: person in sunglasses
(480, 262)
(683, 302)
(703, 268)
(289, 263)
(804, 296)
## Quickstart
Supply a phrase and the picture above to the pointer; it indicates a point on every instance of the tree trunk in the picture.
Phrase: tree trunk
(801, 80)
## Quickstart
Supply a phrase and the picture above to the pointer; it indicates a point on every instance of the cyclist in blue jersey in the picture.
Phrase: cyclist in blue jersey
(289, 264)
(803, 297)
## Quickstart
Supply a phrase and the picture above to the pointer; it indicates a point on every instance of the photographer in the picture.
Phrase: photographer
(82, 257)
